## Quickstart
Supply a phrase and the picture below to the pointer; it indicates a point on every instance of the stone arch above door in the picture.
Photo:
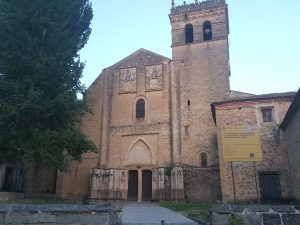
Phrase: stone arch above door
(139, 154)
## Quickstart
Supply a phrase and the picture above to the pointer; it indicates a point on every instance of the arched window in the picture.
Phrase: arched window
(203, 159)
(207, 31)
(189, 33)
(140, 108)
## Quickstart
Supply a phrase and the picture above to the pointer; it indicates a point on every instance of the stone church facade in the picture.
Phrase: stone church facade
(151, 117)
(156, 121)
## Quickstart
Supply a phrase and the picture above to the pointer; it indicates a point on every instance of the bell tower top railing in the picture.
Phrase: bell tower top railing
(196, 5)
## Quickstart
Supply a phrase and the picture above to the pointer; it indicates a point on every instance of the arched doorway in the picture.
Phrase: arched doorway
(139, 162)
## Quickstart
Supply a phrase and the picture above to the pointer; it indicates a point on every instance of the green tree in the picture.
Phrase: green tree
(40, 73)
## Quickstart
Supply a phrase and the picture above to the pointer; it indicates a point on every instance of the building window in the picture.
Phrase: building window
(189, 33)
(267, 114)
(207, 31)
(203, 159)
(140, 108)
(186, 131)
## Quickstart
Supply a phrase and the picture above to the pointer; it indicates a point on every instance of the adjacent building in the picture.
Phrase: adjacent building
(291, 143)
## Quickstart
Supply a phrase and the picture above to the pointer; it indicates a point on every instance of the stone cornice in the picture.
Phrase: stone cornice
(196, 5)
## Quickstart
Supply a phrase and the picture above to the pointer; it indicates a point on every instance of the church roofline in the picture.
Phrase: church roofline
(135, 53)
(120, 62)
(197, 5)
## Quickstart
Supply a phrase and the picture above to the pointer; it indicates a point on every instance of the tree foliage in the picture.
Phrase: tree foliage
(40, 73)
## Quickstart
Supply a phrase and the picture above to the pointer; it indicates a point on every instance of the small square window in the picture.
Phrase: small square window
(186, 131)
(267, 114)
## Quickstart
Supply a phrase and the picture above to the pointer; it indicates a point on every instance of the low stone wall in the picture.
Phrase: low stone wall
(202, 184)
(105, 214)
(9, 196)
(257, 214)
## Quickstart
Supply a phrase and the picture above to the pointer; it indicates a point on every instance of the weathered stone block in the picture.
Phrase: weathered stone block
(4, 208)
(46, 218)
(283, 208)
(271, 219)
(220, 219)
(67, 218)
(237, 208)
(222, 209)
(90, 218)
(87, 218)
(291, 219)
(21, 219)
(251, 219)
(101, 219)
(259, 208)
(2, 218)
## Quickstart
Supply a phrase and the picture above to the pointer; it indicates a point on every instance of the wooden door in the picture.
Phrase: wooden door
(133, 185)
(269, 183)
(147, 185)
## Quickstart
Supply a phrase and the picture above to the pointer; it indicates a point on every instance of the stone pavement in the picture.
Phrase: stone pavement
(151, 214)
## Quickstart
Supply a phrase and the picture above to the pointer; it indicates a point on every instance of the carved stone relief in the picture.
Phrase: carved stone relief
(128, 80)
(154, 77)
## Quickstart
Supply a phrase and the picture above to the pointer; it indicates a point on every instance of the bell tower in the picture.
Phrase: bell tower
(200, 40)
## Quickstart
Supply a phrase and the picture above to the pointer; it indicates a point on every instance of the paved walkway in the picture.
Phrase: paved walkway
(151, 214)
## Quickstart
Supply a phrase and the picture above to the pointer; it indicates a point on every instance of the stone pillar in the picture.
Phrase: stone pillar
(175, 111)
(106, 117)
(108, 184)
(160, 188)
(177, 185)
(140, 185)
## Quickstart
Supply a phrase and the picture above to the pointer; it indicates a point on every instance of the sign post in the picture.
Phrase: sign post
(241, 144)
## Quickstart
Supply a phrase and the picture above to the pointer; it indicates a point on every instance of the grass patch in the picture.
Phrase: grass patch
(235, 220)
(191, 210)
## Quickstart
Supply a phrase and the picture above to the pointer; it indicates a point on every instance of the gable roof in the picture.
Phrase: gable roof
(142, 55)
(285, 95)
(133, 60)
(294, 107)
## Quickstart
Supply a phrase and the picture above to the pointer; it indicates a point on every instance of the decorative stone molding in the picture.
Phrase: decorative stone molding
(196, 5)
(108, 184)
(154, 78)
(128, 80)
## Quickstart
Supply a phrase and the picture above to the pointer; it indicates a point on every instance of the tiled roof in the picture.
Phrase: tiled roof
(287, 95)
(257, 97)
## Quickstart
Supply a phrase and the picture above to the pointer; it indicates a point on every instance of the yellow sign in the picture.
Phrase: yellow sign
(241, 144)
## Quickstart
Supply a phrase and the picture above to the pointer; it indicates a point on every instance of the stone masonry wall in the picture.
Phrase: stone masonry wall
(257, 214)
(274, 158)
(202, 184)
(59, 214)
(292, 146)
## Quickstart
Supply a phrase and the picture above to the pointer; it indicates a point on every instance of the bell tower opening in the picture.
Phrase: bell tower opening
(207, 31)
(189, 33)
(199, 22)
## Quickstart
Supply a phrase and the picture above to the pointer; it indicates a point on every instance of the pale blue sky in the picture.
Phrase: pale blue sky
(264, 39)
